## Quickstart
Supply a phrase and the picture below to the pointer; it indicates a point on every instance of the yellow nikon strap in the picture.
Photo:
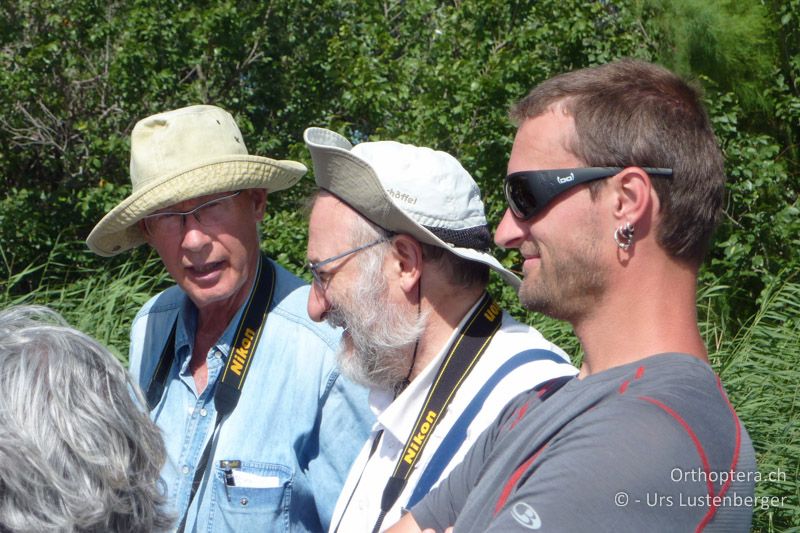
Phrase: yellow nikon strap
(248, 332)
(229, 386)
(461, 357)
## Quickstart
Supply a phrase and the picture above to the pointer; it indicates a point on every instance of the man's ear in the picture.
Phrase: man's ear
(145, 233)
(634, 197)
(259, 199)
(406, 262)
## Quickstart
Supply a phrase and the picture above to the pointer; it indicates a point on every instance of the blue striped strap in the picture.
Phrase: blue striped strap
(458, 433)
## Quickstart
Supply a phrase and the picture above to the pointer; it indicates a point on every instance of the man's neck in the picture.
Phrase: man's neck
(212, 321)
(646, 313)
(446, 311)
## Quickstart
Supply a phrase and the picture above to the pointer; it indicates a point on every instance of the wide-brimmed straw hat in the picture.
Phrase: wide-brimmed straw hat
(180, 155)
(407, 189)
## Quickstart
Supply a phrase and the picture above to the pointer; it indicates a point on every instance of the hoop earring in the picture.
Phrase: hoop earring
(623, 236)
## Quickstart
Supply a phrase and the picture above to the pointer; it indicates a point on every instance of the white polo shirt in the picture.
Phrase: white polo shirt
(359, 503)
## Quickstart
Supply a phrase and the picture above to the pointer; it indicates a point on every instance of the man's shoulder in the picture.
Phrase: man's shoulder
(168, 301)
(289, 305)
(516, 337)
(674, 377)
(672, 403)
(522, 357)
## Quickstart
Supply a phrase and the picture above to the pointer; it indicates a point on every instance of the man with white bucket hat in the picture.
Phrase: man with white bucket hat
(399, 251)
(243, 386)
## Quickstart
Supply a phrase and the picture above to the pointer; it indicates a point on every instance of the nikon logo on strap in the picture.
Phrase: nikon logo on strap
(491, 313)
(242, 353)
(419, 439)
(462, 355)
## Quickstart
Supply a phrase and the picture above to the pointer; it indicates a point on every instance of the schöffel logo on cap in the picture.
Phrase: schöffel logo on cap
(403, 197)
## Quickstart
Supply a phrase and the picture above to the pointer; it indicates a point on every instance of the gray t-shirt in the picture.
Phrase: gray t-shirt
(650, 446)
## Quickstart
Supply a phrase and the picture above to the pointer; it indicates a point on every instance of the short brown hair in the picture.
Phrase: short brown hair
(633, 113)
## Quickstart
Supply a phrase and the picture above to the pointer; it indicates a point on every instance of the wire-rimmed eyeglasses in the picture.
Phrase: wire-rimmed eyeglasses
(314, 267)
(209, 214)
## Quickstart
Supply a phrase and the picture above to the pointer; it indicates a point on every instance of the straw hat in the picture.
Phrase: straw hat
(180, 155)
(407, 189)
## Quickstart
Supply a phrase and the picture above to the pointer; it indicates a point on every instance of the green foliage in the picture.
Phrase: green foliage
(728, 41)
(284, 235)
(786, 88)
(759, 235)
(758, 364)
(100, 302)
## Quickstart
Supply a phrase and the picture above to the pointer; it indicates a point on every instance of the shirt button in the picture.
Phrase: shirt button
(203, 412)
(185, 469)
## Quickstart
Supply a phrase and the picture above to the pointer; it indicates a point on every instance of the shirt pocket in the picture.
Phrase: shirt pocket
(259, 501)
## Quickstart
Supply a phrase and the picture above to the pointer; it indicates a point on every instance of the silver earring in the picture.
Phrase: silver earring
(623, 236)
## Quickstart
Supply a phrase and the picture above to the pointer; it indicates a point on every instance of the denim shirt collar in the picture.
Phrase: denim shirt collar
(187, 326)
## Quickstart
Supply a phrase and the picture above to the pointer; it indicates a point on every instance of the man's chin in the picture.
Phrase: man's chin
(351, 367)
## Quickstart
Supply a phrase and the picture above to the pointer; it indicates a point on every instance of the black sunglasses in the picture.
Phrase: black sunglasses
(528, 192)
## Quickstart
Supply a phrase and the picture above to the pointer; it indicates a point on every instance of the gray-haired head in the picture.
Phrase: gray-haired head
(77, 452)
(410, 190)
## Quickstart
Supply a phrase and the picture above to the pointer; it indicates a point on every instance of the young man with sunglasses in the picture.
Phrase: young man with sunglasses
(614, 185)
(242, 385)
(399, 250)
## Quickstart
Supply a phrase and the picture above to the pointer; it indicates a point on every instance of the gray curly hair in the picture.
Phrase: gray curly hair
(77, 453)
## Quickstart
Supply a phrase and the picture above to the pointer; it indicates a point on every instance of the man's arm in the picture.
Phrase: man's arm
(439, 509)
(345, 421)
(407, 524)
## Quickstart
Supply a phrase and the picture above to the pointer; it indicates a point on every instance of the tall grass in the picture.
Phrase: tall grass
(100, 302)
(758, 362)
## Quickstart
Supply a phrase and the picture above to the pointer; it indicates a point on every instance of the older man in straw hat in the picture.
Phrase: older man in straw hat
(399, 247)
(241, 383)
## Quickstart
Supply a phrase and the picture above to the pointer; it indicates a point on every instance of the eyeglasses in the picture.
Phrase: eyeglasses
(528, 192)
(314, 267)
(209, 214)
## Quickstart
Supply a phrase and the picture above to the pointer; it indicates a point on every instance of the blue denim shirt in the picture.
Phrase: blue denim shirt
(296, 429)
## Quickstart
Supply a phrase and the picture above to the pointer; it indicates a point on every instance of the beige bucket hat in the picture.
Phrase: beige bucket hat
(180, 155)
(407, 189)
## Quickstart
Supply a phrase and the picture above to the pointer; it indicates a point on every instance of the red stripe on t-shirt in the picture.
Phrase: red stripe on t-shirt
(734, 460)
(520, 413)
(509, 486)
(624, 387)
(700, 451)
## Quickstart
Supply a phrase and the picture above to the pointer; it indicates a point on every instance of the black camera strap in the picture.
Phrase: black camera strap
(465, 350)
(229, 386)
